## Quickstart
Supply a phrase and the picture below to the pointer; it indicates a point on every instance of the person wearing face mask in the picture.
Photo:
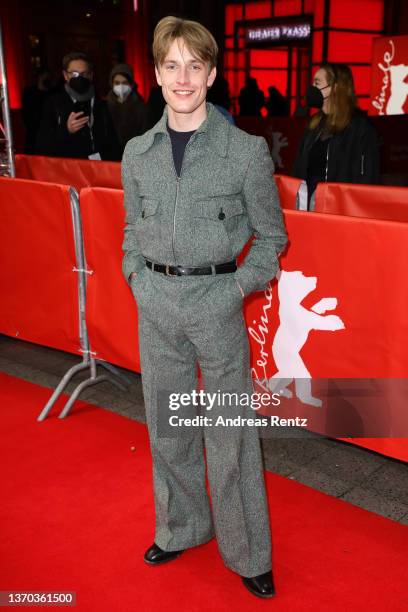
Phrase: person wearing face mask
(75, 122)
(339, 144)
(128, 111)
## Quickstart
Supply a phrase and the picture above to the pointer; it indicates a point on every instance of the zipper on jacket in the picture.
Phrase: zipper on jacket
(174, 214)
(362, 164)
(92, 140)
(177, 193)
(327, 162)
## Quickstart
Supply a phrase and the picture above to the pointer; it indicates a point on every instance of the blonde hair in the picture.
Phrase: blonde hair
(199, 41)
(342, 98)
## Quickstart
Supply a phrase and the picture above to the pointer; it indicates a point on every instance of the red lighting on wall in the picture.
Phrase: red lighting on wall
(12, 53)
(283, 8)
(257, 10)
(361, 15)
(351, 47)
(233, 13)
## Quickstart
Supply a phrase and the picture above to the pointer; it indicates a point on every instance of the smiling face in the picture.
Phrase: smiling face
(184, 80)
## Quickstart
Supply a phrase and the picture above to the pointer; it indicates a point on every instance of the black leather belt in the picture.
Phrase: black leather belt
(224, 268)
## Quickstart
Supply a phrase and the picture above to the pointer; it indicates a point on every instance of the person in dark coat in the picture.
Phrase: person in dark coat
(34, 97)
(276, 104)
(218, 95)
(129, 113)
(251, 99)
(340, 144)
(75, 122)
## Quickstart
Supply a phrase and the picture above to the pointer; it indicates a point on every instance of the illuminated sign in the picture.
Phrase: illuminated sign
(275, 31)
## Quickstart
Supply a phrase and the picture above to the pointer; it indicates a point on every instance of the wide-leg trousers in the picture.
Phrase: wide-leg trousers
(185, 320)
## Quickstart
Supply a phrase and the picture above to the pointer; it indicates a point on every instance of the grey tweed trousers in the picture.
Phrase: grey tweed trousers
(184, 321)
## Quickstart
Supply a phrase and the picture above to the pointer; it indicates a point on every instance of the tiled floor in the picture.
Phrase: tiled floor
(348, 472)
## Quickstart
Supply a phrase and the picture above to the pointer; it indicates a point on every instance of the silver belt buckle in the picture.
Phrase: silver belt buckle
(168, 272)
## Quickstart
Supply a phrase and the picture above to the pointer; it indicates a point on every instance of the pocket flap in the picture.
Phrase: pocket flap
(220, 209)
(149, 207)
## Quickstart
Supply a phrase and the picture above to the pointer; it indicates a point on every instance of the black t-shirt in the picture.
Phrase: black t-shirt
(179, 142)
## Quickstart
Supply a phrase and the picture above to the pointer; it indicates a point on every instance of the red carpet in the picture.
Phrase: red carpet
(76, 514)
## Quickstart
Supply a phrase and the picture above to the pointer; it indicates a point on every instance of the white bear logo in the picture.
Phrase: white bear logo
(295, 324)
(277, 141)
(399, 90)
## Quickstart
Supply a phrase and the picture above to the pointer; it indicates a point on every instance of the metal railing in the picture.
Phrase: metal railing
(6, 136)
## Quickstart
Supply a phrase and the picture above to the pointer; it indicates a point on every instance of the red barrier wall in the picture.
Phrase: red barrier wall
(288, 188)
(375, 202)
(363, 277)
(39, 301)
(360, 264)
(78, 173)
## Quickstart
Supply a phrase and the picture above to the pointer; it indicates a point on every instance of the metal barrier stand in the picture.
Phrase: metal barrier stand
(87, 361)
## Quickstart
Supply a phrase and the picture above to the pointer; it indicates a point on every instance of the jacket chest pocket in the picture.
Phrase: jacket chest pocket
(147, 227)
(216, 222)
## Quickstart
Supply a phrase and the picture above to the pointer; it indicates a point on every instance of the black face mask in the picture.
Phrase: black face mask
(314, 97)
(80, 84)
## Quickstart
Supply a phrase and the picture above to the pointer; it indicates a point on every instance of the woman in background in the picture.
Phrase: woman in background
(128, 111)
(339, 144)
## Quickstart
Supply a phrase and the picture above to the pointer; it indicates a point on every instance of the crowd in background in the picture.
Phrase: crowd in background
(129, 113)
(71, 120)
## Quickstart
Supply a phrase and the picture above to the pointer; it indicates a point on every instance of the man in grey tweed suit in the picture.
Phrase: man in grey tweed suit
(196, 189)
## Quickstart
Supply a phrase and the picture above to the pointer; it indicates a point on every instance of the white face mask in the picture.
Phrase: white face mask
(122, 91)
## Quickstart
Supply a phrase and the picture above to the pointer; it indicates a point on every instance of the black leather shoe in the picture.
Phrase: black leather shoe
(261, 585)
(155, 555)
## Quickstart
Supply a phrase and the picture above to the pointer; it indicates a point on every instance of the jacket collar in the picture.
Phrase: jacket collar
(215, 127)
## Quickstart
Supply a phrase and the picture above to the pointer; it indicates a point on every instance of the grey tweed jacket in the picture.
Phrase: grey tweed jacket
(225, 194)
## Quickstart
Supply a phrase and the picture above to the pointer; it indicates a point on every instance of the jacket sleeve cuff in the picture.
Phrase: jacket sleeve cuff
(250, 281)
